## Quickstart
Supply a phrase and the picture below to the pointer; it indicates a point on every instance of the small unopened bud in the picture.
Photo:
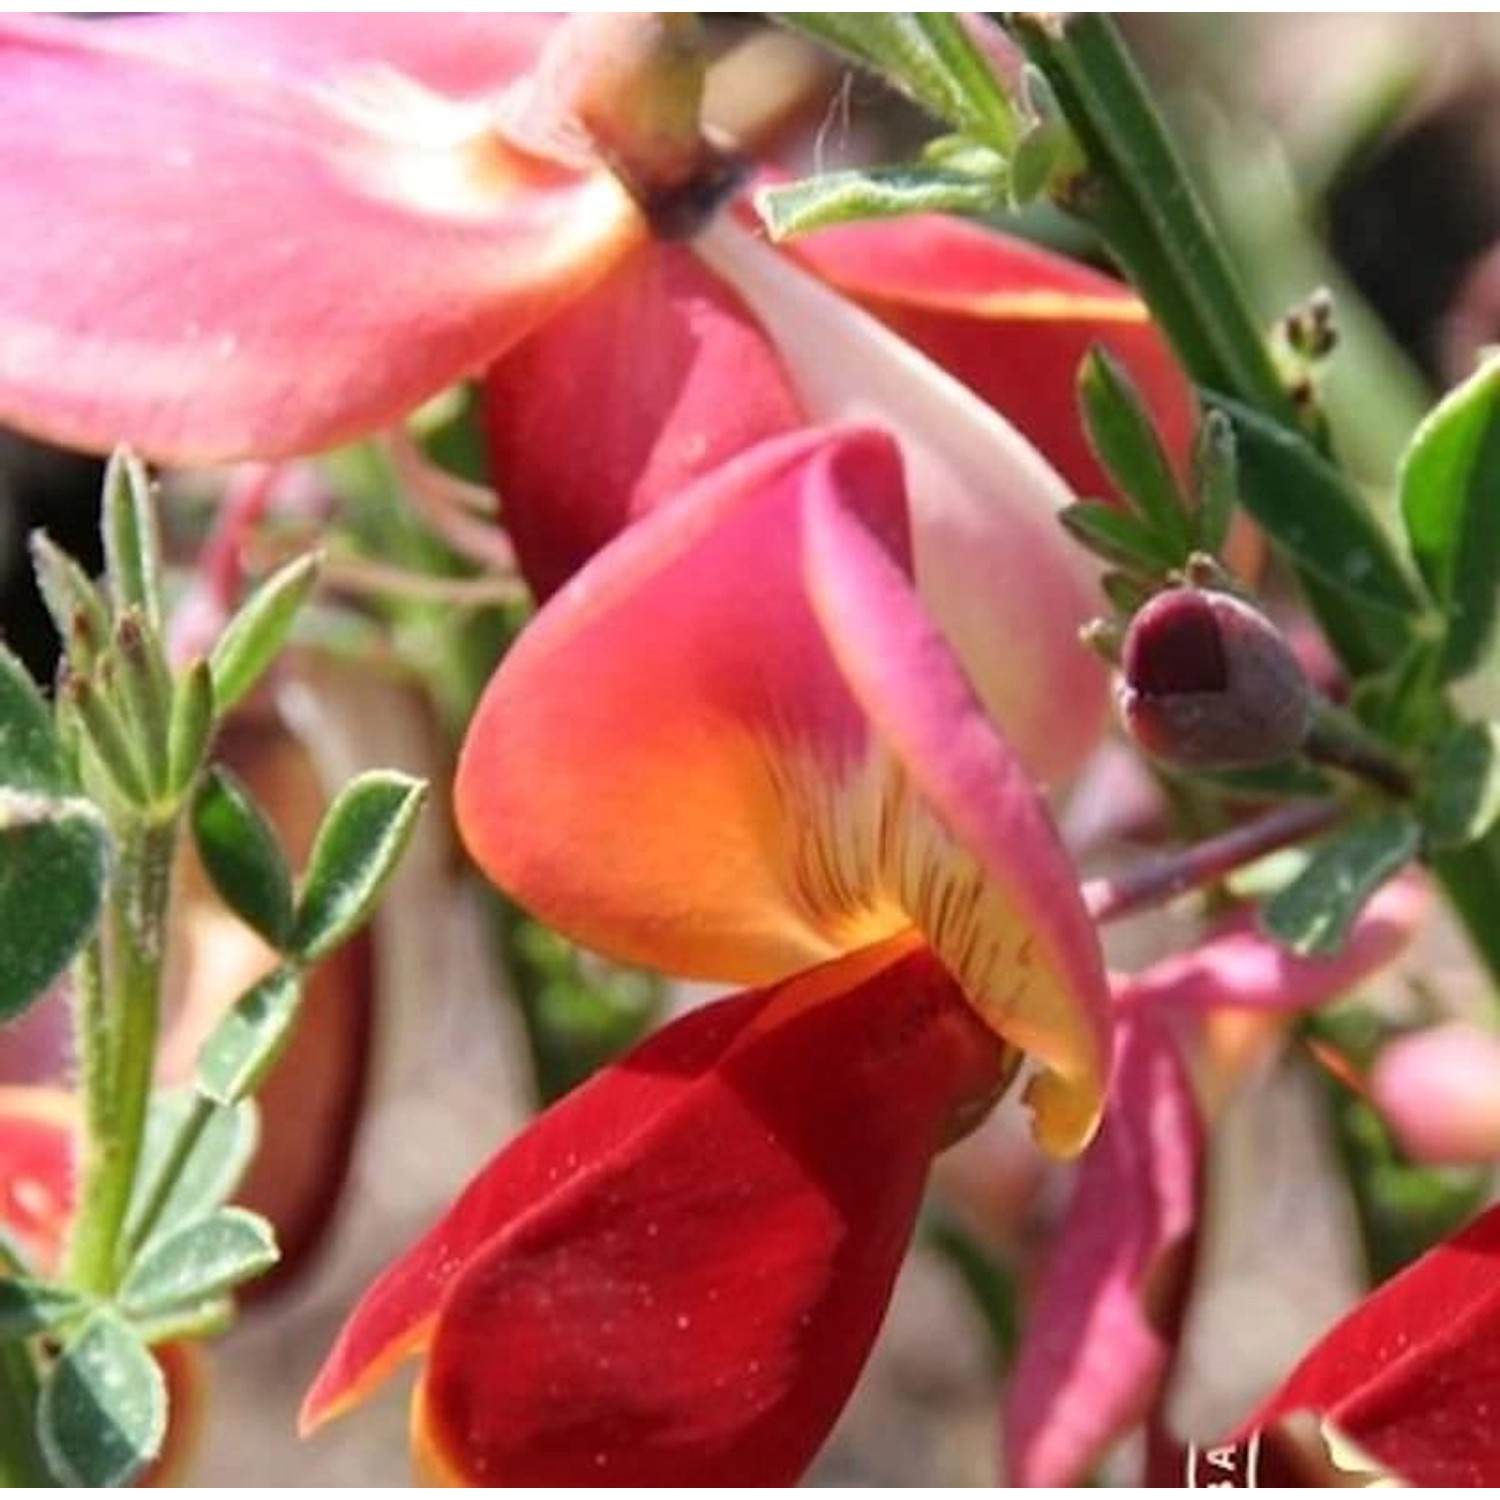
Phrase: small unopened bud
(1210, 684)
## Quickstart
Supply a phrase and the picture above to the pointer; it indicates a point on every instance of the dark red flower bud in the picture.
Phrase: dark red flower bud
(1211, 684)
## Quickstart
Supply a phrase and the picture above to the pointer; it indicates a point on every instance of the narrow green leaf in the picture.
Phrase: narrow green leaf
(243, 1048)
(357, 848)
(1450, 491)
(1121, 433)
(199, 1261)
(1125, 591)
(28, 1306)
(102, 1415)
(1307, 507)
(77, 608)
(192, 724)
(1404, 704)
(983, 104)
(260, 629)
(1461, 800)
(108, 739)
(242, 855)
(54, 867)
(132, 542)
(1215, 480)
(199, 1320)
(211, 1168)
(877, 193)
(893, 46)
(1312, 915)
(146, 692)
(31, 759)
(1117, 537)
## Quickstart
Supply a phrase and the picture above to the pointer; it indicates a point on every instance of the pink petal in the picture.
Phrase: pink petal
(241, 261)
(1243, 968)
(1098, 1342)
(461, 54)
(992, 564)
(1439, 1090)
(667, 374)
(734, 746)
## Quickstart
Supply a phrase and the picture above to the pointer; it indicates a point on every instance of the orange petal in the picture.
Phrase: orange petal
(735, 746)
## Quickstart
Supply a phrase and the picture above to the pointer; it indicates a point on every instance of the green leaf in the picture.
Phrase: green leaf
(1121, 433)
(260, 629)
(1450, 491)
(212, 1168)
(113, 750)
(31, 758)
(28, 1306)
(244, 1046)
(1403, 704)
(877, 193)
(54, 867)
(199, 1261)
(1125, 591)
(357, 848)
(102, 1415)
(1117, 537)
(145, 690)
(132, 542)
(1461, 799)
(1312, 915)
(983, 104)
(1215, 480)
(1307, 507)
(894, 46)
(75, 605)
(242, 856)
(192, 724)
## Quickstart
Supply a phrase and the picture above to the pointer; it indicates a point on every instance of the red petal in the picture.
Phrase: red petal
(1412, 1375)
(685, 1266)
(240, 260)
(1012, 321)
(36, 1167)
(654, 378)
(1099, 1339)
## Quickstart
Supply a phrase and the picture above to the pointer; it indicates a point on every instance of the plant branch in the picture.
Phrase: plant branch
(117, 1017)
(1162, 879)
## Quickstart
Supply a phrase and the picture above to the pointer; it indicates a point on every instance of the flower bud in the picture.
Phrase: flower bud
(1210, 684)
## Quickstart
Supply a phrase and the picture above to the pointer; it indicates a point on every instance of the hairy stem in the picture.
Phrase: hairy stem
(117, 1016)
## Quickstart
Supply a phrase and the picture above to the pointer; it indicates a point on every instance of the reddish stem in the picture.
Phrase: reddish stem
(1159, 880)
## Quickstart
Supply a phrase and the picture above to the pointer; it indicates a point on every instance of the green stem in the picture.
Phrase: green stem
(117, 1018)
(21, 1460)
(1141, 199)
